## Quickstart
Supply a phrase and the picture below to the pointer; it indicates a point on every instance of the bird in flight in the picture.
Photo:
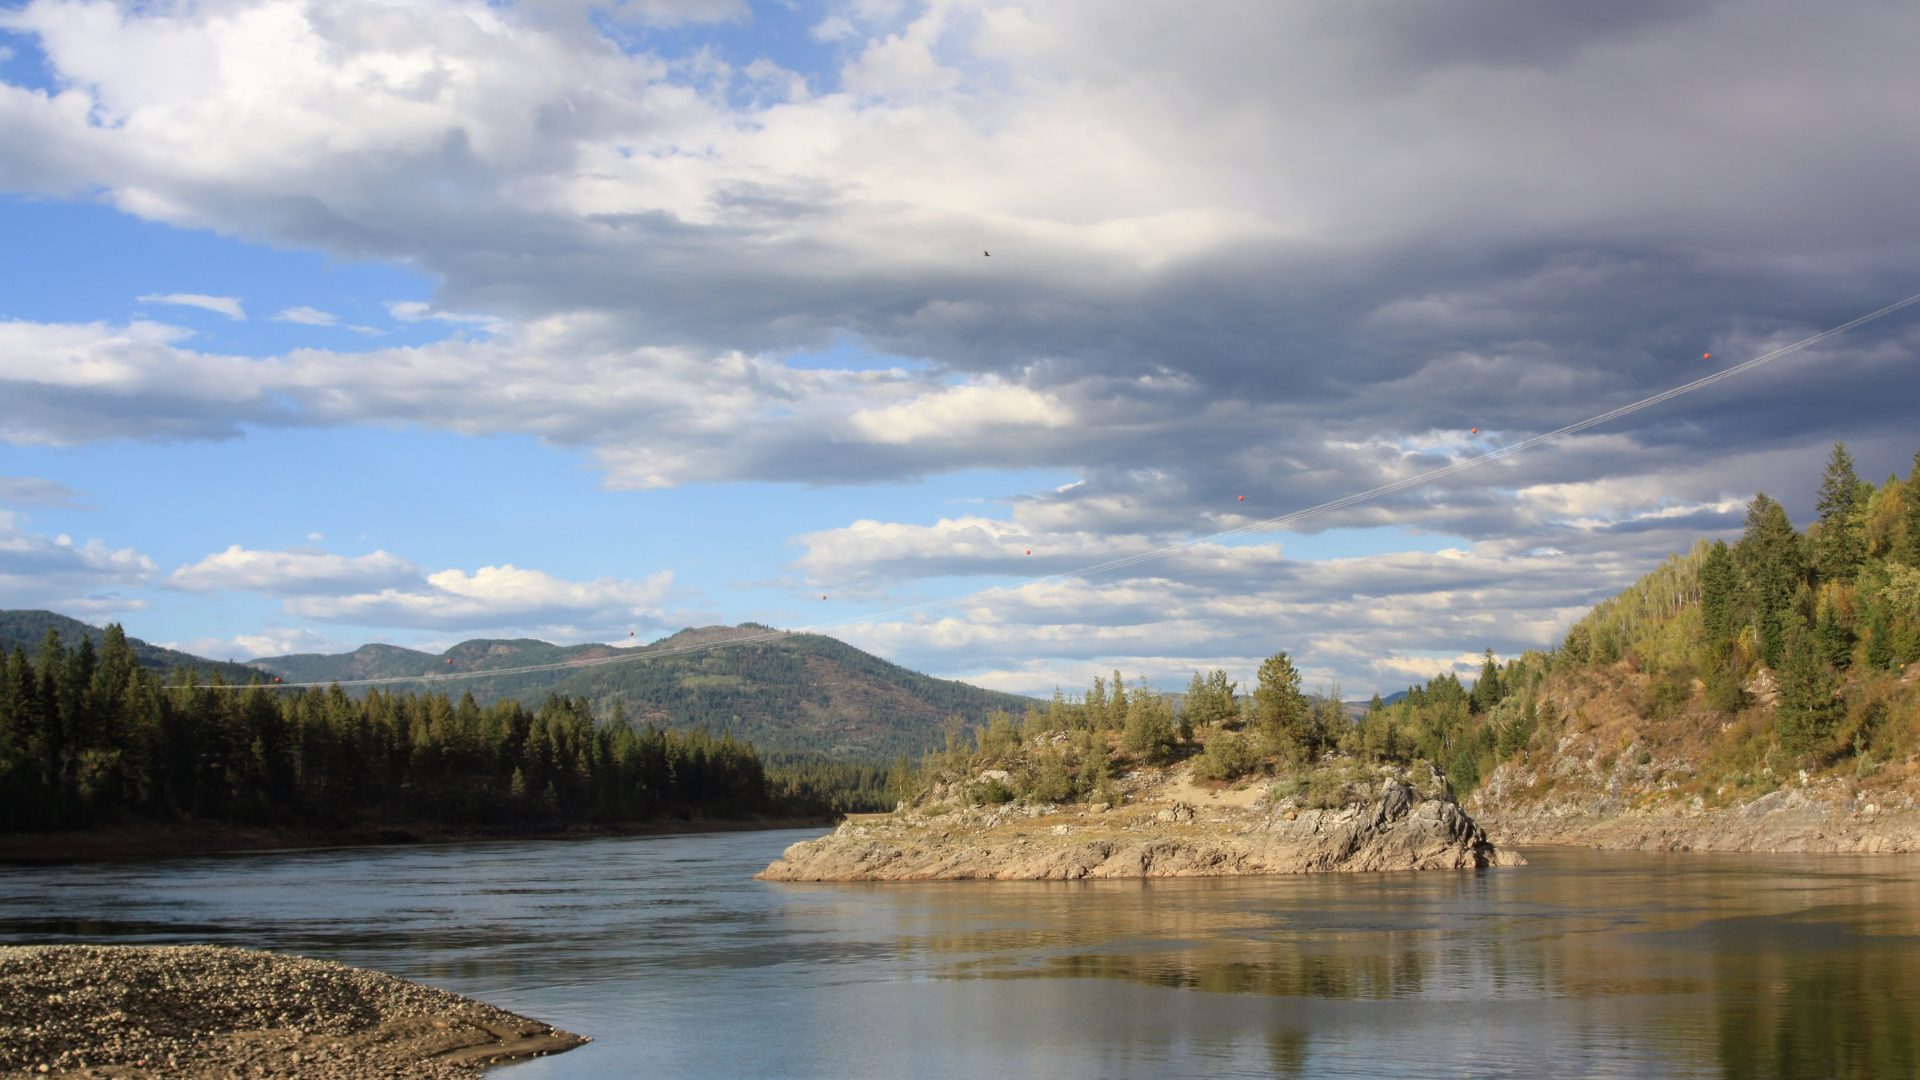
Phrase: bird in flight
(988, 254)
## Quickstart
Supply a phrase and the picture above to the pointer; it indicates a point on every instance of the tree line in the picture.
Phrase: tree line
(89, 737)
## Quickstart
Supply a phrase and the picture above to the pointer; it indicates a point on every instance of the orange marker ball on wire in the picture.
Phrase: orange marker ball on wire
(1243, 498)
(1706, 356)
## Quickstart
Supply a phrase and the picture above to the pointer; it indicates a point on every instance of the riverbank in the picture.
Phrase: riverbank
(1167, 826)
(148, 840)
(1815, 819)
(201, 1012)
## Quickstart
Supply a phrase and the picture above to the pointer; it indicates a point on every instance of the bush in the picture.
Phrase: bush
(991, 793)
(1149, 731)
(1225, 757)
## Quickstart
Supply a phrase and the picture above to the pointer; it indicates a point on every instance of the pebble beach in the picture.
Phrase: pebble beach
(201, 1011)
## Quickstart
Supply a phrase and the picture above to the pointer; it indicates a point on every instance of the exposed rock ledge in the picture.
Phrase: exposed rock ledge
(1170, 829)
(1790, 819)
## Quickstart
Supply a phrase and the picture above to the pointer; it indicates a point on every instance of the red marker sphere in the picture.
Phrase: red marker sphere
(1243, 498)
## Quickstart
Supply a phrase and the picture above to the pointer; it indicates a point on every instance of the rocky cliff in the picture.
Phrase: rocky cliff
(1166, 826)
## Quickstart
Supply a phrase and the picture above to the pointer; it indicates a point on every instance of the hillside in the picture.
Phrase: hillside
(27, 629)
(1763, 695)
(797, 693)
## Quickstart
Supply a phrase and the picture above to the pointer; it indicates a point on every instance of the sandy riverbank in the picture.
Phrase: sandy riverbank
(201, 1012)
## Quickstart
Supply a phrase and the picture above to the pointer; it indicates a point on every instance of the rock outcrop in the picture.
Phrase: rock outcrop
(1168, 827)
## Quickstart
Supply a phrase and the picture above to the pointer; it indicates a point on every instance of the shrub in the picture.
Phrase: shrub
(1225, 757)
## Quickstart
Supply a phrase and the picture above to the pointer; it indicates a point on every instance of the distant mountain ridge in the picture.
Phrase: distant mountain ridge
(28, 628)
(794, 692)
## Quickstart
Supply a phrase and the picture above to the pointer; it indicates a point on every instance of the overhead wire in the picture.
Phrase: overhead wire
(1122, 562)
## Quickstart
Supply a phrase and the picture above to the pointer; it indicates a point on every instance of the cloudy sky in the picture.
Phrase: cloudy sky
(328, 321)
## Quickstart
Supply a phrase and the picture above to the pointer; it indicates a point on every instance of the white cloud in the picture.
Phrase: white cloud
(293, 572)
(416, 311)
(308, 316)
(269, 642)
(37, 571)
(220, 305)
(382, 589)
(496, 596)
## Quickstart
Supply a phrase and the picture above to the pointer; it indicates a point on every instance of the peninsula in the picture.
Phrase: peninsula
(1165, 825)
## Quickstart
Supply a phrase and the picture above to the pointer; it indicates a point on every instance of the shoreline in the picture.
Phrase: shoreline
(204, 1012)
(1387, 820)
(154, 840)
(1784, 822)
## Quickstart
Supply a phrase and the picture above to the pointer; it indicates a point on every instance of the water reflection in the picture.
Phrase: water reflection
(1584, 964)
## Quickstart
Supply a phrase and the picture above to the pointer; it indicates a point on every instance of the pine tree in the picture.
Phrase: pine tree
(1840, 541)
(1772, 568)
(1908, 550)
(1807, 710)
(1280, 709)
(1719, 592)
(1096, 705)
(1487, 692)
(1149, 730)
(1834, 636)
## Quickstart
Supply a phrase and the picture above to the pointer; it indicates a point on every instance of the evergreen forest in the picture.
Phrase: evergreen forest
(90, 737)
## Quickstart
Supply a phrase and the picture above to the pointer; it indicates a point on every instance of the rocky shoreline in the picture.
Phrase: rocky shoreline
(1386, 819)
(1787, 820)
(201, 1012)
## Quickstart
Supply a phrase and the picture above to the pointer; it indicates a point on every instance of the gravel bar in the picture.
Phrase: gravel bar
(201, 1011)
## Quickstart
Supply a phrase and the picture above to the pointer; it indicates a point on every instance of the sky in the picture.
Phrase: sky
(334, 321)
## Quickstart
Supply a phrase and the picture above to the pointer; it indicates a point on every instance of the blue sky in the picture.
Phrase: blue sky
(324, 321)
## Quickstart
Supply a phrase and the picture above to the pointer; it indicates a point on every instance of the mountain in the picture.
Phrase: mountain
(1358, 709)
(28, 629)
(793, 693)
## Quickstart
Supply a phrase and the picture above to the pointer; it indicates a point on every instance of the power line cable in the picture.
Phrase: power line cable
(1264, 525)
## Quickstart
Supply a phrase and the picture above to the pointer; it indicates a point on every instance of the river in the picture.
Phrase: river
(1584, 964)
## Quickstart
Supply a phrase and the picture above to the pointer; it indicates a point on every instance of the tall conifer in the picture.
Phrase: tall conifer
(1909, 549)
(1719, 592)
(1840, 542)
(1772, 568)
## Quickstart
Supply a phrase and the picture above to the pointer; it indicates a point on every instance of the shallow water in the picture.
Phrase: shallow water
(1584, 964)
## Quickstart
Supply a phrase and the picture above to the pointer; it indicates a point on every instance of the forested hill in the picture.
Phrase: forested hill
(28, 629)
(1714, 677)
(794, 693)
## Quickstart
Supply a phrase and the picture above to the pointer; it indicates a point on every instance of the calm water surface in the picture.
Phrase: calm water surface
(1585, 964)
